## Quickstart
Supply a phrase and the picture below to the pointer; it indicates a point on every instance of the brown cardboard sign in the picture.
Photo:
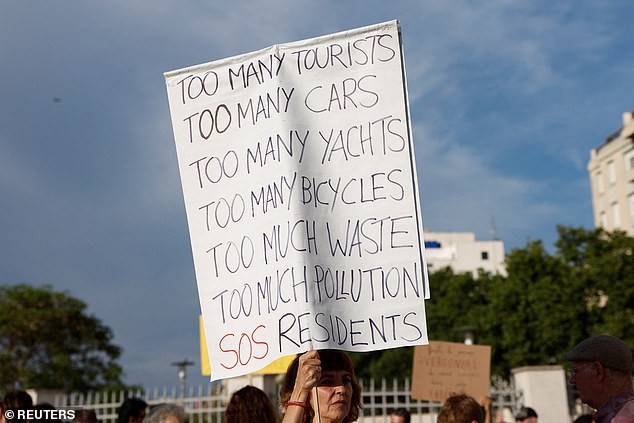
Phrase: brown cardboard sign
(441, 369)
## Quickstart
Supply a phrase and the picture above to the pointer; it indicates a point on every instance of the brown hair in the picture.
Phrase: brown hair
(460, 408)
(330, 360)
(15, 400)
(248, 405)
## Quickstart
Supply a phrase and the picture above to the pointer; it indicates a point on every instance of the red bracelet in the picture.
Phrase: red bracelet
(296, 404)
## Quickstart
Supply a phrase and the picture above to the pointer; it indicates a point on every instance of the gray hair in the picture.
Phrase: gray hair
(159, 413)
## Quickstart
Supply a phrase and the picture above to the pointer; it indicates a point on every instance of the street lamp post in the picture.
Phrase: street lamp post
(182, 373)
(469, 334)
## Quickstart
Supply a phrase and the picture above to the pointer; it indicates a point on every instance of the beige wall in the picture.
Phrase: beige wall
(611, 170)
(463, 253)
(544, 389)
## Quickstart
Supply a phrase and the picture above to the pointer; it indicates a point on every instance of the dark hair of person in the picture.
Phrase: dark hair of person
(584, 418)
(330, 360)
(131, 407)
(85, 415)
(460, 408)
(44, 418)
(16, 400)
(402, 412)
(250, 404)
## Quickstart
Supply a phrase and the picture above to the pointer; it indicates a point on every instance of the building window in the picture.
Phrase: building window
(600, 187)
(603, 220)
(611, 172)
(484, 255)
(616, 216)
(629, 160)
(631, 198)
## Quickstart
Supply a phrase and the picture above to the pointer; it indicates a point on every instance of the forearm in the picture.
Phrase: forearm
(297, 405)
(308, 375)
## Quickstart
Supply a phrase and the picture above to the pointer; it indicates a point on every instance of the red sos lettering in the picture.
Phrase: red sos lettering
(243, 348)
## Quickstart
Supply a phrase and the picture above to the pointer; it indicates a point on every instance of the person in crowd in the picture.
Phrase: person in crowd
(85, 415)
(526, 415)
(42, 416)
(165, 413)
(487, 408)
(602, 373)
(400, 415)
(584, 418)
(132, 410)
(460, 408)
(14, 401)
(338, 392)
(250, 404)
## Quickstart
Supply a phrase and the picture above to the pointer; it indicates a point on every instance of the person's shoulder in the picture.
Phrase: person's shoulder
(626, 413)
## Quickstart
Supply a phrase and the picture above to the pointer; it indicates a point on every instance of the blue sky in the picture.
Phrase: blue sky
(507, 99)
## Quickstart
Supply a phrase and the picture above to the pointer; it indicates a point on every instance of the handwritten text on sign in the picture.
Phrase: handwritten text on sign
(442, 369)
(300, 189)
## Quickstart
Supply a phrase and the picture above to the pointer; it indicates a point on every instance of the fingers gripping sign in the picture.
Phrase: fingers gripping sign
(307, 379)
(315, 379)
(309, 370)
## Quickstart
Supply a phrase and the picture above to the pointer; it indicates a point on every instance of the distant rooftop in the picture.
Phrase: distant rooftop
(628, 121)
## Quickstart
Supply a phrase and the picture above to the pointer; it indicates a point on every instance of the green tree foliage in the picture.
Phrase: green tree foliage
(384, 364)
(549, 302)
(458, 301)
(48, 341)
(545, 305)
(603, 264)
(537, 312)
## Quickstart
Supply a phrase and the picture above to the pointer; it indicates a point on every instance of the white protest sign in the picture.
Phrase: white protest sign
(298, 175)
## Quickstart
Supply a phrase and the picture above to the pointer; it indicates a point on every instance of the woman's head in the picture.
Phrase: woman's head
(338, 390)
(250, 404)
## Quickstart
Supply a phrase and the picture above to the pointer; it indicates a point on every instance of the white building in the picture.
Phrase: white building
(461, 252)
(611, 169)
